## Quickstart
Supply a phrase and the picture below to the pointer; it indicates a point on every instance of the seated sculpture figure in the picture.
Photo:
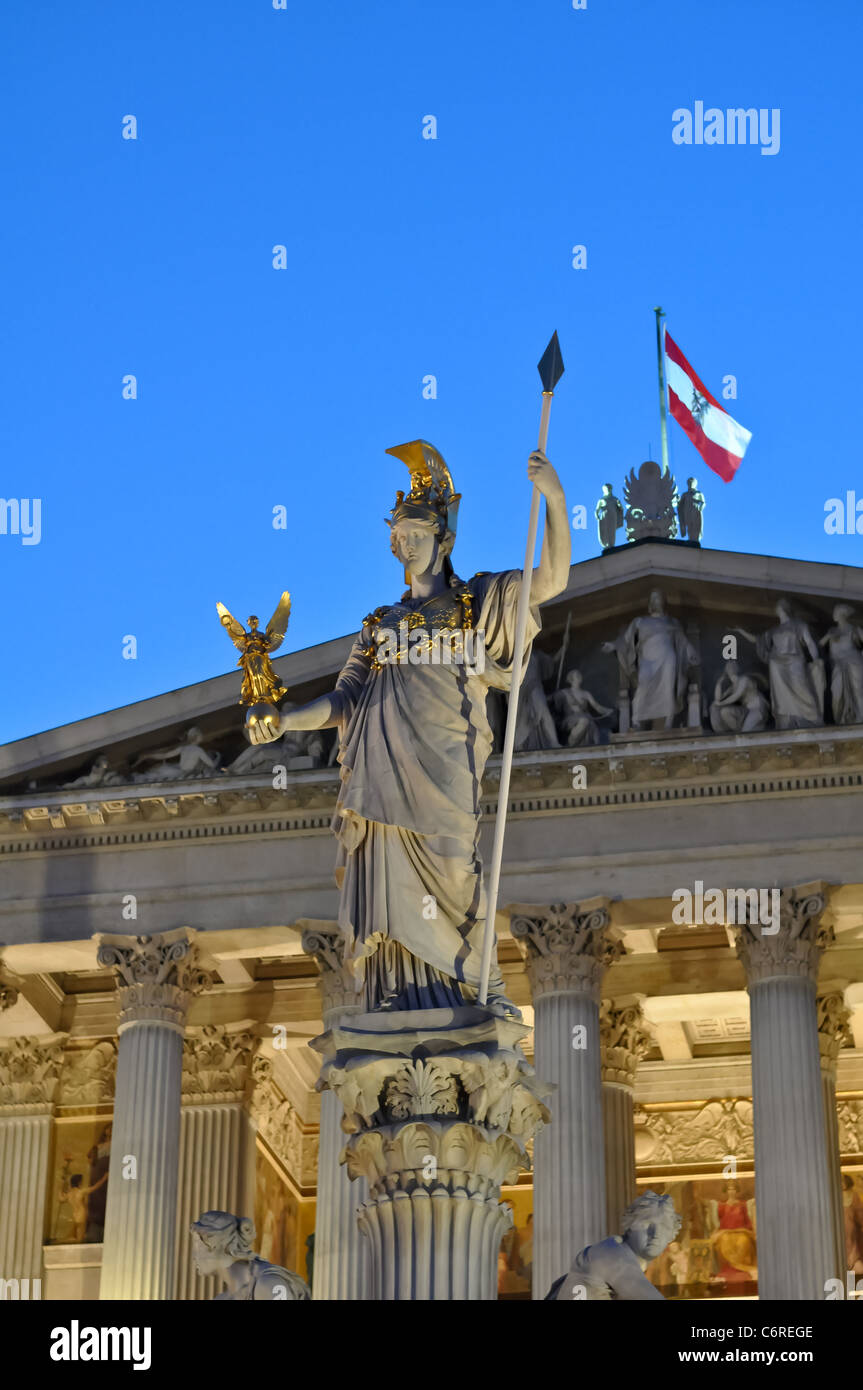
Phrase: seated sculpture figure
(738, 705)
(613, 1269)
(222, 1244)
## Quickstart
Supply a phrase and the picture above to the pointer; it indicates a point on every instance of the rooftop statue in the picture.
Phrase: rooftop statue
(222, 1244)
(689, 511)
(613, 1269)
(650, 501)
(609, 516)
(413, 743)
(795, 668)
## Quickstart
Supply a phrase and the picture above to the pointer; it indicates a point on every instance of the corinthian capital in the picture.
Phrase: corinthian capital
(325, 941)
(29, 1072)
(624, 1039)
(833, 1030)
(794, 951)
(157, 976)
(567, 946)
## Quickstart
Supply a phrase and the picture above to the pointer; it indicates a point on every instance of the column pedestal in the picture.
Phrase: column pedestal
(439, 1105)
(157, 976)
(567, 948)
(796, 1244)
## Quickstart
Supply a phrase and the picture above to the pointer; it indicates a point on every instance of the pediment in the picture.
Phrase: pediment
(708, 591)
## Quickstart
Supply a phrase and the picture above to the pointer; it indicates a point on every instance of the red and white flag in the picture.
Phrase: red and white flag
(720, 441)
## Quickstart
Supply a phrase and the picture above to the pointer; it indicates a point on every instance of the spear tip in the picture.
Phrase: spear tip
(550, 365)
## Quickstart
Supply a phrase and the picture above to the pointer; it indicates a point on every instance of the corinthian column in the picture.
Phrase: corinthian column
(567, 949)
(29, 1072)
(796, 1244)
(833, 1031)
(624, 1039)
(156, 979)
(217, 1062)
(341, 1266)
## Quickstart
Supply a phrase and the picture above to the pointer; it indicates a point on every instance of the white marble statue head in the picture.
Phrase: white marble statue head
(650, 1223)
(574, 679)
(421, 546)
(219, 1239)
(656, 603)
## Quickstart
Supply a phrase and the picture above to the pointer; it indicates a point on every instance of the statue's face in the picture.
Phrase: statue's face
(253, 622)
(656, 603)
(574, 679)
(649, 1236)
(207, 1261)
(415, 545)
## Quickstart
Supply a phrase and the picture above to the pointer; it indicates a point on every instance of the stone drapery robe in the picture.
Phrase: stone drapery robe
(414, 740)
(656, 650)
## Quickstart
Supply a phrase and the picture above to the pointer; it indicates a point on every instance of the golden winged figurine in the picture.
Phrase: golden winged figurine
(261, 686)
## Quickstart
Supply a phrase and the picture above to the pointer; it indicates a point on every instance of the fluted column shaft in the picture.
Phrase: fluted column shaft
(341, 1262)
(217, 1063)
(156, 979)
(624, 1039)
(567, 948)
(833, 1031)
(796, 1244)
(29, 1072)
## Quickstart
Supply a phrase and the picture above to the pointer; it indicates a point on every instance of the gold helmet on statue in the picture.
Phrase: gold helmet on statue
(432, 496)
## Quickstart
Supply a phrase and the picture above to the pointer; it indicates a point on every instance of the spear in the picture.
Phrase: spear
(550, 371)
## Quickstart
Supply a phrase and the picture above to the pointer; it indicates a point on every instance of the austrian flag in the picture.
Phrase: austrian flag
(720, 441)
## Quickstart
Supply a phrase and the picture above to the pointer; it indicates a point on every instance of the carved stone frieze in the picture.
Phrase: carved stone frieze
(711, 766)
(217, 1063)
(795, 949)
(849, 1112)
(29, 1074)
(567, 946)
(624, 1039)
(718, 1130)
(157, 976)
(88, 1074)
(280, 1126)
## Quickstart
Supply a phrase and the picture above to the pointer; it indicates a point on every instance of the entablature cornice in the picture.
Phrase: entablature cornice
(657, 771)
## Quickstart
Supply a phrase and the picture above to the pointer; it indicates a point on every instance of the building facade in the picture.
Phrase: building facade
(167, 907)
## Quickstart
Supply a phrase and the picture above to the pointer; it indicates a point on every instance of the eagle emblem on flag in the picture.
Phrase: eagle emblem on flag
(699, 405)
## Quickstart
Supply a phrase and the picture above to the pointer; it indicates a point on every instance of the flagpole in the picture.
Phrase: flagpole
(550, 370)
(660, 359)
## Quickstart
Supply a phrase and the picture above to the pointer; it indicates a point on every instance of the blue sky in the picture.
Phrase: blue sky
(406, 257)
